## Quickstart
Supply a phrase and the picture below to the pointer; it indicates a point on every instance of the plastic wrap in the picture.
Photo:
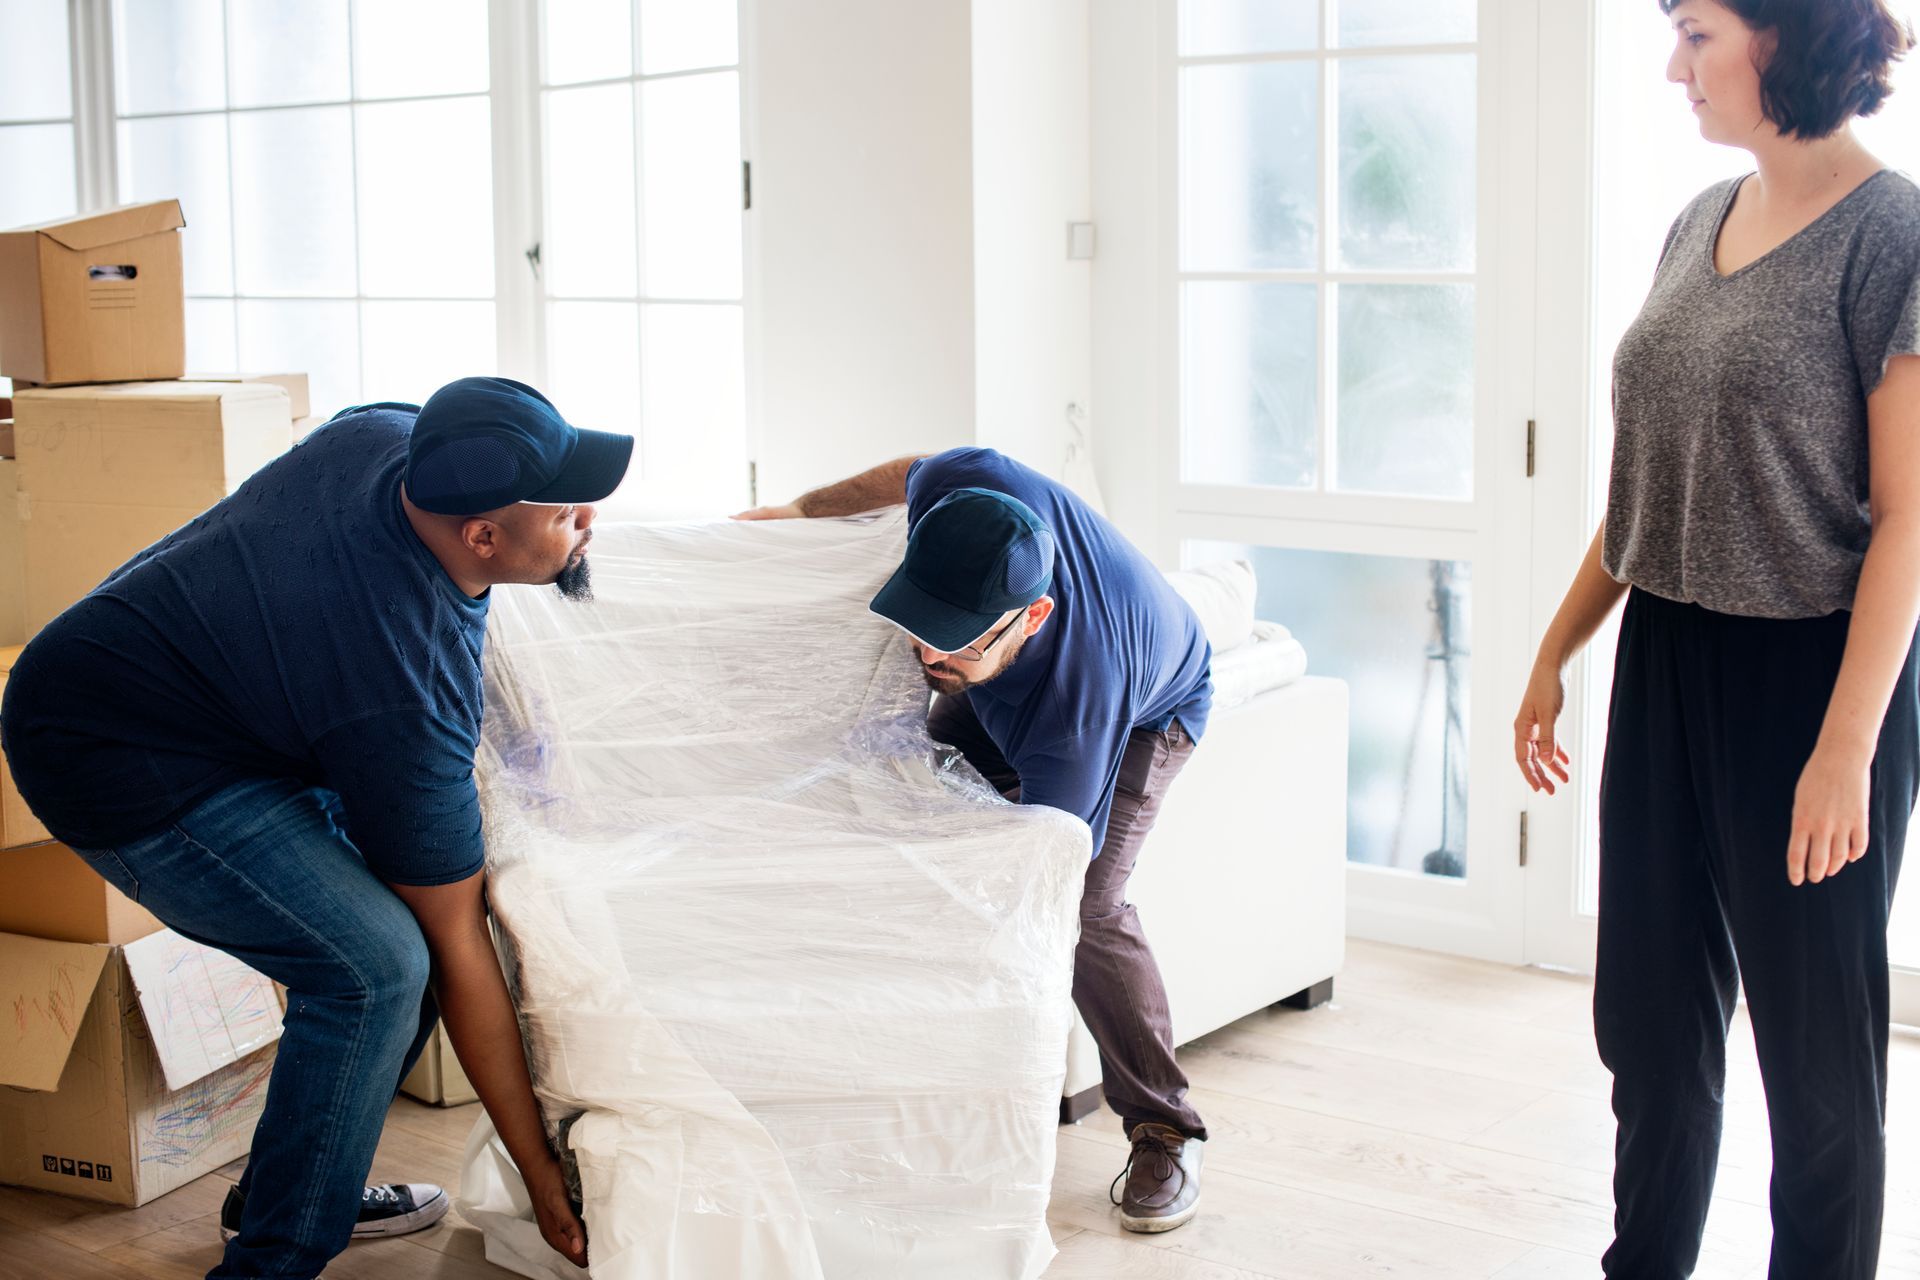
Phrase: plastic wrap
(795, 982)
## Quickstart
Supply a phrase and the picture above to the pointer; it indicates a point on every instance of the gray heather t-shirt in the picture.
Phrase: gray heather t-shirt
(1740, 406)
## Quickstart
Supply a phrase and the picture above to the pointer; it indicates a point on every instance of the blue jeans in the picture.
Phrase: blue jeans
(265, 871)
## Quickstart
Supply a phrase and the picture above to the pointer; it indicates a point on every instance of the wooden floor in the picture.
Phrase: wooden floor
(1443, 1118)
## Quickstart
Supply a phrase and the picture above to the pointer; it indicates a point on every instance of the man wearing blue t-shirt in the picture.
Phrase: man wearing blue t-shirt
(262, 728)
(1070, 674)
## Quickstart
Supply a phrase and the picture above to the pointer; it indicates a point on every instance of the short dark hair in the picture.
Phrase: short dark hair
(1832, 60)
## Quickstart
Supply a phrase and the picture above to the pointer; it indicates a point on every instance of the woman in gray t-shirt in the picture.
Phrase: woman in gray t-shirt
(1764, 735)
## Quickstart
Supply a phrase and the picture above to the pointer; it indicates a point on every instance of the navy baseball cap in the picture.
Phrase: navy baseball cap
(973, 556)
(482, 443)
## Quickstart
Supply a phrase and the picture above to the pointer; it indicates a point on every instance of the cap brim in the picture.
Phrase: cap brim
(929, 619)
(598, 465)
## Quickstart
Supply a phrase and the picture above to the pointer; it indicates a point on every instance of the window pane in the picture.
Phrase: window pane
(293, 201)
(213, 342)
(1248, 26)
(170, 55)
(1405, 402)
(415, 348)
(1398, 631)
(593, 352)
(693, 448)
(412, 48)
(1248, 182)
(46, 152)
(426, 199)
(588, 40)
(34, 67)
(690, 186)
(185, 157)
(1248, 383)
(1407, 162)
(677, 35)
(289, 52)
(1405, 21)
(319, 339)
(589, 249)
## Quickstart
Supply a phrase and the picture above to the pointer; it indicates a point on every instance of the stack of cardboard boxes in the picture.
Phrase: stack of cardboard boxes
(136, 1059)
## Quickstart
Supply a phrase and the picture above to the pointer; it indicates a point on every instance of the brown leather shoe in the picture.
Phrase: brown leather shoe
(1162, 1177)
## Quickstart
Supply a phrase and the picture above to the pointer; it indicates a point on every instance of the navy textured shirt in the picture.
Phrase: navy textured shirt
(1122, 649)
(298, 629)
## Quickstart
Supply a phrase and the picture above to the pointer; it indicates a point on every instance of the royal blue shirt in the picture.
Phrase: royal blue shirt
(299, 629)
(1121, 651)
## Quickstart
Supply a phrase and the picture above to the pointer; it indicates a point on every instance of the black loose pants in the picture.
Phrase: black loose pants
(1713, 717)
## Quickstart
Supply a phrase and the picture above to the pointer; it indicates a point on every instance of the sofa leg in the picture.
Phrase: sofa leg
(1312, 998)
(1079, 1106)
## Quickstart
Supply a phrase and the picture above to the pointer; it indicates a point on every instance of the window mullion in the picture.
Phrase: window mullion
(95, 139)
(518, 181)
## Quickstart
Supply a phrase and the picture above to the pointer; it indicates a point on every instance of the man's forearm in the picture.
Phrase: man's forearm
(883, 486)
(481, 1023)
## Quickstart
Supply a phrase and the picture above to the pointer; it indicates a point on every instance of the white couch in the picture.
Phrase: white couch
(1241, 886)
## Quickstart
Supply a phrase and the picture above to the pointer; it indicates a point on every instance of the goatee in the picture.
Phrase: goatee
(575, 581)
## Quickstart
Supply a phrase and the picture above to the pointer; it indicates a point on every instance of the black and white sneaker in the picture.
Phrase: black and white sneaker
(392, 1209)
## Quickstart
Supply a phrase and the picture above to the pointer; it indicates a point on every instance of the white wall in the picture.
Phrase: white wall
(915, 166)
(1031, 177)
(861, 237)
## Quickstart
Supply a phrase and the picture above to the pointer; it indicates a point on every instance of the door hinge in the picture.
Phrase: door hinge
(1523, 839)
(746, 184)
(753, 484)
(1530, 437)
(533, 260)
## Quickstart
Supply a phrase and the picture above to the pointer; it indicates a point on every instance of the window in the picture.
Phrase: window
(335, 165)
(1327, 245)
(36, 116)
(641, 258)
(1328, 285)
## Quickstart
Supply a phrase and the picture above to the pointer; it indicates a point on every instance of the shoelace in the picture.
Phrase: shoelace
(382, 1194)
(1157, 1146)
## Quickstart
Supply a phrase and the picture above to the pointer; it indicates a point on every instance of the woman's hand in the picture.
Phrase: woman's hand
(1829, 816)
(1538, 753)
(553, 1209)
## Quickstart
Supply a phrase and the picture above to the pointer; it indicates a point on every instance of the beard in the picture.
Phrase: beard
(575, 581)
(953, 684)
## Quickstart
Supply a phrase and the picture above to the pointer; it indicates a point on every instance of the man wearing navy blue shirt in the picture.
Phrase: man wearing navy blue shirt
(262, 728)
(1072, 675)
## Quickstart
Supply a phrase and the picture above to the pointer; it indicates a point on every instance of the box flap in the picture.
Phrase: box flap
(46, 988)
(204, 1009)
(111, 226)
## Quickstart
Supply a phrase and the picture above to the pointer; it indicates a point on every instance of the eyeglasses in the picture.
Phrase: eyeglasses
(976, 651)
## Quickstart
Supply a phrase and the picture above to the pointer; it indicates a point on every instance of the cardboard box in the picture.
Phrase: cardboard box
(46, 891)
(148, 443)
(95, 298)
(107, 471)
(13, 563)
(147, 1064)
(6, 435)
(17, 824)
(303, 427)
(438, 1077)
(295, 385)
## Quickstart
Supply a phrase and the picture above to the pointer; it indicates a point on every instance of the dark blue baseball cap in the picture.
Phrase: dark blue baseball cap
(482, 443)
(973, 556)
